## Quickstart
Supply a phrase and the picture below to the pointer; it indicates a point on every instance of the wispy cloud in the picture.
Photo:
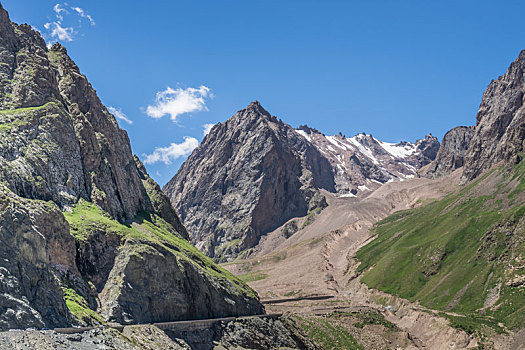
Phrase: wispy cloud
(58, 10)
(174, 102)
(207, 128)
(83, 14)
(172, 152)
(57, 30)
(61, 33)
(117, 112)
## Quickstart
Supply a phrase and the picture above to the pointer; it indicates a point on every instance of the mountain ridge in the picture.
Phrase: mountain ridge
(269, 150)
(254, 172)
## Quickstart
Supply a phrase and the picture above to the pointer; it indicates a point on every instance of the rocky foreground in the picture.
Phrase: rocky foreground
(250, 333)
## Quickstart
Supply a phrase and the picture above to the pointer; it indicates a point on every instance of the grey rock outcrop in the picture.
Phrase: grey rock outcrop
(249, 175)
(159, 285)
(247, 333)
(500, 123)
(451, 155)
(62, 143)
(81, 222)
(426, 151)
(35, 244)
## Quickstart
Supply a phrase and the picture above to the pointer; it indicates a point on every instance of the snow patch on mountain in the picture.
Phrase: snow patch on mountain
(304, 134)
(399, 150)
(362, 163)
(363, 149)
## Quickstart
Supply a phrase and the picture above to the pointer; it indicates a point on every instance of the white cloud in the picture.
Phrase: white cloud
(174, 102)
(117, 112)
(207, 128)
(172, 152)
(57, 31)
(58, 10)
(83, 14)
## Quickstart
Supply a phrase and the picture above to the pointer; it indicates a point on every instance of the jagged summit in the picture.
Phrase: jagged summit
(451, 155)
(309, 130)
(255, 104)
(521, 56)
(58, 47)
(362, 163)
(248, 176)
(498, 134)
(254, 108)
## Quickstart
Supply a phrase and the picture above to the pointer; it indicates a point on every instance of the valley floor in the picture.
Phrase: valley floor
(319, 260)
(311, 278)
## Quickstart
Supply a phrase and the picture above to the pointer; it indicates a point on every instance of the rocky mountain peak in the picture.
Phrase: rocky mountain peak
(429, 146)
(58, 47)
(362, 138)
(7, 36)
(257, 172)
(256, 105)
(87, 154)
(254, 172)
(521, 56)
(254, 109)
(498, 134)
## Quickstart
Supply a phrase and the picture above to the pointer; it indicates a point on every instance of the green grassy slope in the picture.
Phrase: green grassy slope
(464, 253)
(86, 218)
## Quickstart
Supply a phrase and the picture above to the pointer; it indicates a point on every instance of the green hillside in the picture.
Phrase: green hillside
(464, 253)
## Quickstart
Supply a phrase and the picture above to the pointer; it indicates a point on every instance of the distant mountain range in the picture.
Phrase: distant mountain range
(362, 163)
(254, 172)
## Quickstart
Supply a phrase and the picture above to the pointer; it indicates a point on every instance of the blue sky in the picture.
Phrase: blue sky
(396, 69)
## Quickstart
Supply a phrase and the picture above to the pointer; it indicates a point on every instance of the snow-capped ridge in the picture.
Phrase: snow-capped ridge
(362, 163)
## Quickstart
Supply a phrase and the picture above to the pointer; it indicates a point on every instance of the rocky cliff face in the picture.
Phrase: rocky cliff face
(498, 134)
(254, 172)
(64, 144)
(500, 123)
(478, 227)
(249, 175)
(35, 238)
(451, 155)
(81, 220)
